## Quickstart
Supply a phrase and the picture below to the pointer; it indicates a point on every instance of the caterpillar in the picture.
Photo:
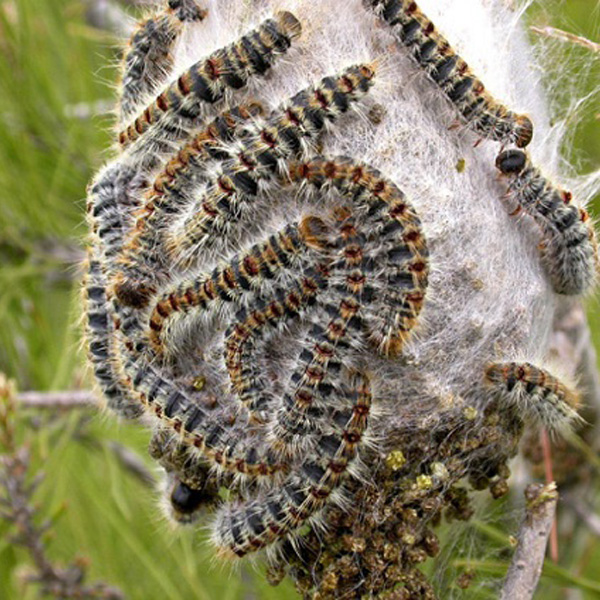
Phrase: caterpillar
(247, 273)
(101, 342)
(569, 250)
(191, 486)
(393, 231)
(166, 198)
(236, 185)
(246, 374)
(259, 159)
(534, 394)
(148, 58)
(434, 54)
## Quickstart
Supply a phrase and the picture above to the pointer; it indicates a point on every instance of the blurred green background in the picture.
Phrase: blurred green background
(57, 73)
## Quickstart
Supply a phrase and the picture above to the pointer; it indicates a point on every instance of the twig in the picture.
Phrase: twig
(132, 462)
(545, 441)
(86, 399)
(565, 36)
(526, 565)
(17, 487)
(54, 400)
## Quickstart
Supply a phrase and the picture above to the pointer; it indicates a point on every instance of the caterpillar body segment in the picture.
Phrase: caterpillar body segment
(392, 238)
(242, 346)
(109, 204)
(259, 159)
(247, 274)
(178, 107)
(569, 250)
(534, 394)
(187, 10)
(481, 111)
(247, 527)
(111, 200)
(114, 197)
(139, 263)
(101, 342)
(148, 57)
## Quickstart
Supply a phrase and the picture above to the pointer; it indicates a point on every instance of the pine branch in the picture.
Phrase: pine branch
(17, 486)
(57, 400)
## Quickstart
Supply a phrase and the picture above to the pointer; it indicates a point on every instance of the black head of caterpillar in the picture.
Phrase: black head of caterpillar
(511, 162)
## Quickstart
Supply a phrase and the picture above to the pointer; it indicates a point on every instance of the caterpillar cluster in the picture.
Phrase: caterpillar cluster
(191, 288)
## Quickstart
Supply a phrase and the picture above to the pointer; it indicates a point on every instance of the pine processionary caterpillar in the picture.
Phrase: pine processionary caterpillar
(245, 274)
(482, 113)
(100, 342)
(383, 307)
(211, 435)
(569, 250)
(191, 485)
(148, 58)
(334, 336)
(187, 10)
(534, 394)
(140, 258)
(392, 230)
(247, 378)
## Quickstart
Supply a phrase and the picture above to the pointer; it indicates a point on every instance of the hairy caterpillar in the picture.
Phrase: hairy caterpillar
(247, 527)
(480, 110)
(149, 56)
(534, 394)
(569, 251)
(167, 197)
(234, 187)
(261, 157)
